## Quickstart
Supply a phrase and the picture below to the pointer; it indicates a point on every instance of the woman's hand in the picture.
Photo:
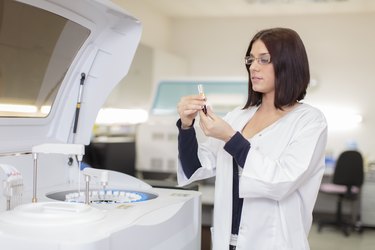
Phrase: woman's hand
(188, 108)
(214, 126)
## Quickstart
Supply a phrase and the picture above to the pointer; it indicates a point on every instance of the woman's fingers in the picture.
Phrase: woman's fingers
(214, 126)
(188, 108)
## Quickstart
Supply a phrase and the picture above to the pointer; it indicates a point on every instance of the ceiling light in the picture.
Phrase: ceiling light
(292, 1)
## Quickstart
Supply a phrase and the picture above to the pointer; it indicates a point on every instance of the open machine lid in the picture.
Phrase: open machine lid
(57, 56)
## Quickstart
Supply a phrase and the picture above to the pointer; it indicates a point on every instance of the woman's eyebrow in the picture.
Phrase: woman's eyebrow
(261, 54)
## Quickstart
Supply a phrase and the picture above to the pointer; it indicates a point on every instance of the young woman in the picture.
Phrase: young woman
(268, 157)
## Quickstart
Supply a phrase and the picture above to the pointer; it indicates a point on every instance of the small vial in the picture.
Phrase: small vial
(201, 92)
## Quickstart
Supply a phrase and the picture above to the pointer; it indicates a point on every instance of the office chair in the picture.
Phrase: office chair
(346, 184)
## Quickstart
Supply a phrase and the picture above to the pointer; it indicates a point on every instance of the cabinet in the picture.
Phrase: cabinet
(116, 154)
(368, 200)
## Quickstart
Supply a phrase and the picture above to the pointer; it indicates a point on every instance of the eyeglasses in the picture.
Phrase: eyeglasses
(262, 60)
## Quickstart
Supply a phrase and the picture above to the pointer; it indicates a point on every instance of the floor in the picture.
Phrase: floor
(328, 239)
(332, 239)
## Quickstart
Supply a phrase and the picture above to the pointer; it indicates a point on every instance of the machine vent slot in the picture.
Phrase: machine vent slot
(156, 163)
(171, 164)
(157, 136)
(172, 137)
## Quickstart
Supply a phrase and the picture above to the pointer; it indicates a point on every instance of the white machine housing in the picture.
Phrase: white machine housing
(170, 220)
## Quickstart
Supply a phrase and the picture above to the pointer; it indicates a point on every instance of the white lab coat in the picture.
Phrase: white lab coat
(279, 182)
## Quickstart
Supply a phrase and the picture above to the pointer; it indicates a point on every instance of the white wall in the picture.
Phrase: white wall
(156, 27)
(152, 61)
(340, 48)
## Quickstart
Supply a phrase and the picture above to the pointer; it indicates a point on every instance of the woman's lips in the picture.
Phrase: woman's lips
(256, 78)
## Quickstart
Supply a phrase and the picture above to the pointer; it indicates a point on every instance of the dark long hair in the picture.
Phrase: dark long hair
(291, 65)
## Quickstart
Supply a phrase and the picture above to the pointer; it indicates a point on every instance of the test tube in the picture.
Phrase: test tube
(201, 92)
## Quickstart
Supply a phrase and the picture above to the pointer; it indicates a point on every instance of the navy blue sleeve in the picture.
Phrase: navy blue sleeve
(188, 149)
(238, 146)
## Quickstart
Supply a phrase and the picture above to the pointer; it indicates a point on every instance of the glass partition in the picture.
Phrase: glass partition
(222, 95)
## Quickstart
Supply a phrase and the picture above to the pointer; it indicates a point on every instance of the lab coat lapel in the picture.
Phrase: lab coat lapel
(240, 121)
(223, 204)
(223, 190)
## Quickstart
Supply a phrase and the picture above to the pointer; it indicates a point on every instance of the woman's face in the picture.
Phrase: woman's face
(262, 73)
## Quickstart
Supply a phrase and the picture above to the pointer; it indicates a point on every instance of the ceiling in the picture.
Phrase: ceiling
(245, 8)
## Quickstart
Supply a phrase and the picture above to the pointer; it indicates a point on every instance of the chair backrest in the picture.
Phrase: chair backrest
(349, 169)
